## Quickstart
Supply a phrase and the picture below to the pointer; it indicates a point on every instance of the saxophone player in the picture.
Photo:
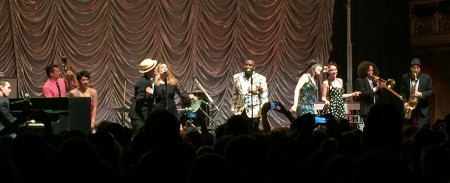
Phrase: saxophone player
(416, 88)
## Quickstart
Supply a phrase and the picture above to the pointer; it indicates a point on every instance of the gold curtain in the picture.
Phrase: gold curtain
(206, 39)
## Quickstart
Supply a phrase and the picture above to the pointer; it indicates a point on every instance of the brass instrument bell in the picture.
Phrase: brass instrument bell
(390, 83)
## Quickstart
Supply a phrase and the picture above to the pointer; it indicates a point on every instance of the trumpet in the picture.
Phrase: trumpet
(390, 83)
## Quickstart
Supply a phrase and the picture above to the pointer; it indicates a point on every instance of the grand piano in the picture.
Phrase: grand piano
(65, 113)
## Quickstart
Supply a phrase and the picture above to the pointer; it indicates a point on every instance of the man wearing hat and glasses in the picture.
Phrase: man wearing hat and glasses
(142, 101)
(416, 87)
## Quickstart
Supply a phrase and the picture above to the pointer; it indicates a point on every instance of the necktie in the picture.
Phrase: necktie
(371, 87)
(59, 91)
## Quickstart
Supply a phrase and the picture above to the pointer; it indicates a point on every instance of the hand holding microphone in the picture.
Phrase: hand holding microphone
(149, 91)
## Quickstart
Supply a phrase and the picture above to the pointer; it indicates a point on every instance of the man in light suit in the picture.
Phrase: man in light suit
(249, 93)
(368, 86)
(419, 88)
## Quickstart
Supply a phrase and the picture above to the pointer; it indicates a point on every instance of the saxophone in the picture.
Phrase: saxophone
(412, 101)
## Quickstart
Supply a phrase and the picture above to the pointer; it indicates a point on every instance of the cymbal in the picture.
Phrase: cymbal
(120, 109)
(195, 91)
(184, 109)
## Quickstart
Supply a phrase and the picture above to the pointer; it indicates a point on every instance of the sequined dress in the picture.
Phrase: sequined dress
(307, 98)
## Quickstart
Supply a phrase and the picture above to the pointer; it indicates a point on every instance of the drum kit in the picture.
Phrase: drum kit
(190, 112)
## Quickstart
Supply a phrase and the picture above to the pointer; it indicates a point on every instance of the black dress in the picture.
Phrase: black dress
(336, 107)
(163, 102)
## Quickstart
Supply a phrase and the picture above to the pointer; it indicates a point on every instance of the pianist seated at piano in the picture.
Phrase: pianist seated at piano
(83, 90)
(7, 120)
(56, 86)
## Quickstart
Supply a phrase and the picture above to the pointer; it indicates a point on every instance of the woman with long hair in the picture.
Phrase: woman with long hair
(166, 85)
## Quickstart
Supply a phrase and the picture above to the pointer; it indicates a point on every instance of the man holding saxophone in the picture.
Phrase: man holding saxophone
(415, 89)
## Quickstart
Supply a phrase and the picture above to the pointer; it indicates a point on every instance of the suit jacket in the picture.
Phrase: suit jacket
(243, 98)
(141, 104)
(367, 96)
(6, 118)
(424, 85)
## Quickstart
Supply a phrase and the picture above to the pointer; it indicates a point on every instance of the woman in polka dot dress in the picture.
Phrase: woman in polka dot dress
(333, 93)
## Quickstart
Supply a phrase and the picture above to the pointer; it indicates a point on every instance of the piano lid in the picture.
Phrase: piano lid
(57, 104)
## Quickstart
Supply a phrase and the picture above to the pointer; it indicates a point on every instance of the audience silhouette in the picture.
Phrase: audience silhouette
(383, 151)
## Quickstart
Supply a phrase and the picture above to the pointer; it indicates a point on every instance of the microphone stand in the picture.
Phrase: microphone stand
(210, 100)
(251, 96)
(165, 91)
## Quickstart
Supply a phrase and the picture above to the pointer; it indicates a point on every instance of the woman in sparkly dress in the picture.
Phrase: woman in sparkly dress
(305, 91)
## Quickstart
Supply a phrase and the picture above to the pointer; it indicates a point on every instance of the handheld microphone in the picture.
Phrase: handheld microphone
(325, 69)
(153, 83)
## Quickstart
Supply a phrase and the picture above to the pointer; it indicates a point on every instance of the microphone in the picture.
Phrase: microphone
(164, 75)
(27, 97)
(248, 73)
(325, 69)
(153, 83)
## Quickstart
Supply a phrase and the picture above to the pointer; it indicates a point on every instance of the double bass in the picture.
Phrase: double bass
(71, 81)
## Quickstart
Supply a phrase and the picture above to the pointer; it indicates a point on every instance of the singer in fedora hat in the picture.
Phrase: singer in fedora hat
(142, 101)
(147, 65)
(416, 85)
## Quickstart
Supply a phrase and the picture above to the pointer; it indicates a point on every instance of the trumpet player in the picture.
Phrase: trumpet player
(368, 87)
(415, 88)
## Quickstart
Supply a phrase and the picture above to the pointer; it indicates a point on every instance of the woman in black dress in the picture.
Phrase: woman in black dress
(333, 94)
(165, 87)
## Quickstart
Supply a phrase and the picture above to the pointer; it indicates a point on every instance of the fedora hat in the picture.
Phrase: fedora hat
(415, 61)
(147, 65)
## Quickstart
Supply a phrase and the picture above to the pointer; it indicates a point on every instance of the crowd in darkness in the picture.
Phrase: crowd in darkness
(384, 151)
